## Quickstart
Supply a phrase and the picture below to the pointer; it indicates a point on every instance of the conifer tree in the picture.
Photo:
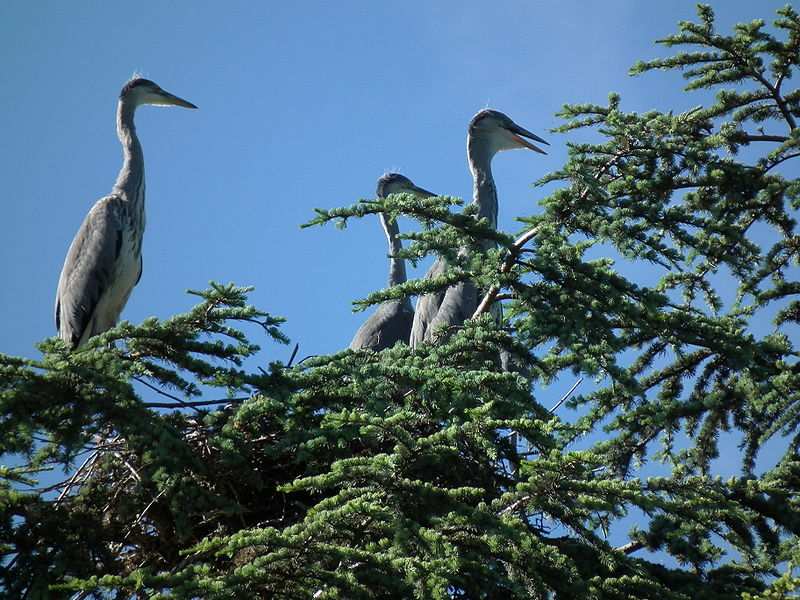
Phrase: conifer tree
(436, 473)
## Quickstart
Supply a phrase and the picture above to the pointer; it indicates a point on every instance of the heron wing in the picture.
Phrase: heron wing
(427, 305)
(89, 268)
(458, 305)
(389, 324)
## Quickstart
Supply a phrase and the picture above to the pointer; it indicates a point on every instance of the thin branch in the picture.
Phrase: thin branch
(294, 353)
(516, 247)
(133, 471)
(87, 464)
(764, 138)
(519, 243)
(515, 505)
(784, 158)
(758, 76)
(782, 107)
(86, 467)
(630, 547)
(143, 513)
(165, 394)
(195, 404)
(566, 396)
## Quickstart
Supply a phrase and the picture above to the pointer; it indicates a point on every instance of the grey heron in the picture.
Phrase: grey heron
(104, 261)
(391, 322)
(427, 305)
(489, 132)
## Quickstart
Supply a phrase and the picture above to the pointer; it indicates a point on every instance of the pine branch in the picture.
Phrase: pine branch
(517, 247)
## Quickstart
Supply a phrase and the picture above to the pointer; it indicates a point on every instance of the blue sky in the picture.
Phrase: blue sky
(298, 108)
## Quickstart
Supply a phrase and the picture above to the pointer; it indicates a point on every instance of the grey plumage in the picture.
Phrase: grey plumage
(427, 305)
(104, 261)
(391, 322)
(489, 132)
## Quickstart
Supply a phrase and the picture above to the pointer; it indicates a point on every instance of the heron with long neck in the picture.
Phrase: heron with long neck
(489, 132)
(104, 261)
(391, 322)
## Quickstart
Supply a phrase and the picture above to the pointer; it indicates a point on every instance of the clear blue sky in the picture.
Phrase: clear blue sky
(299, 108)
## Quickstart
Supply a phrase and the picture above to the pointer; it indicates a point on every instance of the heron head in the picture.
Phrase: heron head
(394, 183)
(499, 132)
(143, 91)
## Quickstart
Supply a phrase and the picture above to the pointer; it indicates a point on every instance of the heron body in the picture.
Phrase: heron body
(104, 261)
(489, 132)
(427, 305)
(391, 322)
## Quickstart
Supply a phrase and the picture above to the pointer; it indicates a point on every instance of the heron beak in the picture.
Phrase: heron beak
(171, 100)
(422, 193)
(519, 134)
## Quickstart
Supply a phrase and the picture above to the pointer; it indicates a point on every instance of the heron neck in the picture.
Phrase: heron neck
(484, 191)
(397, 266)
(130, 181)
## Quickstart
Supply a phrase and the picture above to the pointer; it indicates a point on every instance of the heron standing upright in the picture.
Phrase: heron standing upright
(391, 322)
(104, 261)
(489, 132)
(427, 305)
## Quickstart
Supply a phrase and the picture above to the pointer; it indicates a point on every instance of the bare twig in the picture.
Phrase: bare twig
(143, 513)
(513, 252)
(630, 547)
(294, 353)
(86, 467)
(566, 396)
(183, 403)
(197, 404)
(133, 471)
(515, 505)
(87, 464)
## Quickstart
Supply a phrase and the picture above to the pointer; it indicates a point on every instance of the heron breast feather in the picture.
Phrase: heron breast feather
(127, 268)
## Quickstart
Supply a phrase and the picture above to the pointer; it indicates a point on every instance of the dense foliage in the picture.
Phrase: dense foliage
(437, 473)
